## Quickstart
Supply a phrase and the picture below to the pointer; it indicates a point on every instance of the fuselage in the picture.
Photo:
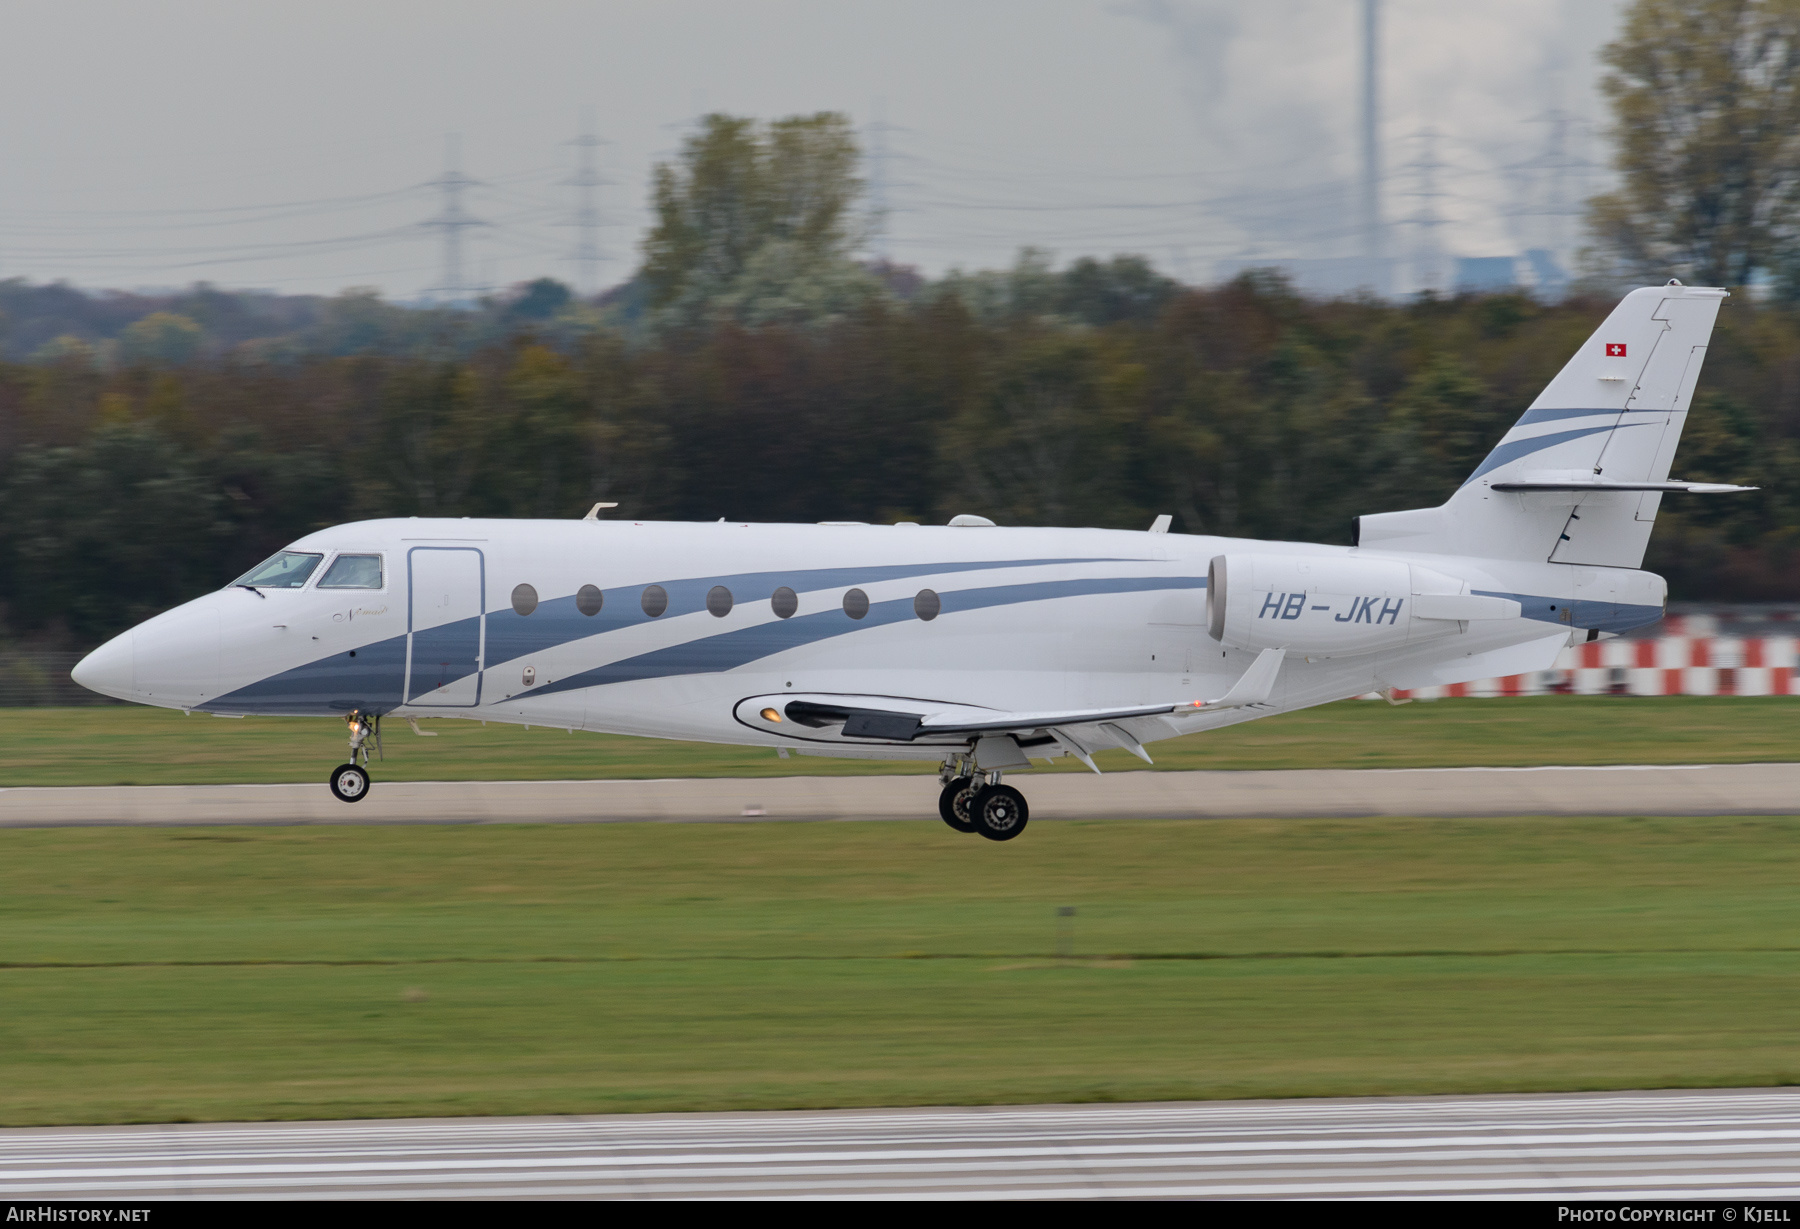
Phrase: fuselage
(665, 629)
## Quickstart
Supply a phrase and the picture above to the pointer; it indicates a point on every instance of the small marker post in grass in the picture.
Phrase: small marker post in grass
(1065, 932)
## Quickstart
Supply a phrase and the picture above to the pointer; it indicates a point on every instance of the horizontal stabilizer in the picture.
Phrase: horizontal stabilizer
(1575, 480)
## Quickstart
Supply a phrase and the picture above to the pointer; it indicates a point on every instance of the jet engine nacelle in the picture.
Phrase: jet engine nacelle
(1334, 606)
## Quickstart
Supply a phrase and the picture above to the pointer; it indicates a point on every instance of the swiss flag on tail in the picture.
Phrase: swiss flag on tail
(1615, 349)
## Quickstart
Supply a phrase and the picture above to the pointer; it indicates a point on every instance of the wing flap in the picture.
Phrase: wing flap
(1024, 723)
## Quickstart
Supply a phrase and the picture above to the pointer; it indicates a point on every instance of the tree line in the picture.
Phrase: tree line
(1243, 409)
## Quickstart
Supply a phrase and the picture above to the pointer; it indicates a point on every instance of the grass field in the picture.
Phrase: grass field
(145, 746)
(153, 975)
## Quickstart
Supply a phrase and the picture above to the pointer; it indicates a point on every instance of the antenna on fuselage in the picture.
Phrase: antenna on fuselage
(594, 512)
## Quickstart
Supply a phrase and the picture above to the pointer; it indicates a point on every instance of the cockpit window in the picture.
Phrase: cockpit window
(287, 570)
(353, 572)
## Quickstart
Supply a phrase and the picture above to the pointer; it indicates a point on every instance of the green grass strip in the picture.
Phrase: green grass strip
(143, 746)
(368, 972)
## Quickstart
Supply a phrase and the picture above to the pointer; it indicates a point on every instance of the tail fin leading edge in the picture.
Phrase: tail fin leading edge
(1574, 480)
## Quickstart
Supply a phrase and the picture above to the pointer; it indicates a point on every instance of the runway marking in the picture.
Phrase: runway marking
(954, 1154)
(1713, 1144)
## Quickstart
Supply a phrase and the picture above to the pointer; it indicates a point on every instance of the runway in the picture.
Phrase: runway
(1736, 1144)
(1741, 789)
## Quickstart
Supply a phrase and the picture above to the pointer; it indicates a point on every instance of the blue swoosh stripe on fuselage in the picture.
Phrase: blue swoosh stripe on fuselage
(374, 679)
(370, 681)
(729, 650)
(1507, 452)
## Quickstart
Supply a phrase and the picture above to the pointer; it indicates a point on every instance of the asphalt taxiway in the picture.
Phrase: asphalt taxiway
(1732, 789)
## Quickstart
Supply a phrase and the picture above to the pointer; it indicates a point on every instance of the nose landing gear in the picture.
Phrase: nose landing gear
(350, 782)
(975, 801)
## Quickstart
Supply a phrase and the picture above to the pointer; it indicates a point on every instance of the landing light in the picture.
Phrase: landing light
(769, 714)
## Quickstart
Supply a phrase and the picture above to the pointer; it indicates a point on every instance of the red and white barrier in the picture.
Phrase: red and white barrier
(1671, 665)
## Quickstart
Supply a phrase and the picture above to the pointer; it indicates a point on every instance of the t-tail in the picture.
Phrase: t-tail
(1579, 477)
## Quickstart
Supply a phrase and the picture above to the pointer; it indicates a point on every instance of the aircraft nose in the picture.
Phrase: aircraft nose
(107, 669)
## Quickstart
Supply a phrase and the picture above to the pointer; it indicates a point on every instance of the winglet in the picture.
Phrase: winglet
(1255, 687)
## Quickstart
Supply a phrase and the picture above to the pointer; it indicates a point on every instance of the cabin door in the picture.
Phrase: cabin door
(444, 626)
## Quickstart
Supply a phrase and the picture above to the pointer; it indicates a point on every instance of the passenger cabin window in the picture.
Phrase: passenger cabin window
(287, 570)
(353, 572)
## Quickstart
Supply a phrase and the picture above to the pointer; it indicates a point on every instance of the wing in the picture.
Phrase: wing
(1252, 689)
(867, 719)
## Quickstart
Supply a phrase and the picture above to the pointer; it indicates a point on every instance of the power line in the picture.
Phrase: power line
(276, 209)
(586, 181)
(1428, 250)
(451, 221)
(879, 206)
(1559, 176)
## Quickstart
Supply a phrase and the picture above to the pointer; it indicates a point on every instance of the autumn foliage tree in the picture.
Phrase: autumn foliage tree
(756, 223)
(1706, 128)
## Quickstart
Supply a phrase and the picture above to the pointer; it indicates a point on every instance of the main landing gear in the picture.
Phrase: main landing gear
(350, 782)
(975, 801)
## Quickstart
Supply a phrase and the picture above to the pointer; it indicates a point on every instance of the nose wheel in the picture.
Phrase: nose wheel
(349, 783)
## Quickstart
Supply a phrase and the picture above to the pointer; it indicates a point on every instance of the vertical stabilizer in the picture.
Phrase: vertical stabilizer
(1611, 417)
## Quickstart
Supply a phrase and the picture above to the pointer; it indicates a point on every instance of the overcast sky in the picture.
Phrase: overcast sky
(290, 145)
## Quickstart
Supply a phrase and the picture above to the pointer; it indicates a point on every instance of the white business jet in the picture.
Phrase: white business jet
(983, 647)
